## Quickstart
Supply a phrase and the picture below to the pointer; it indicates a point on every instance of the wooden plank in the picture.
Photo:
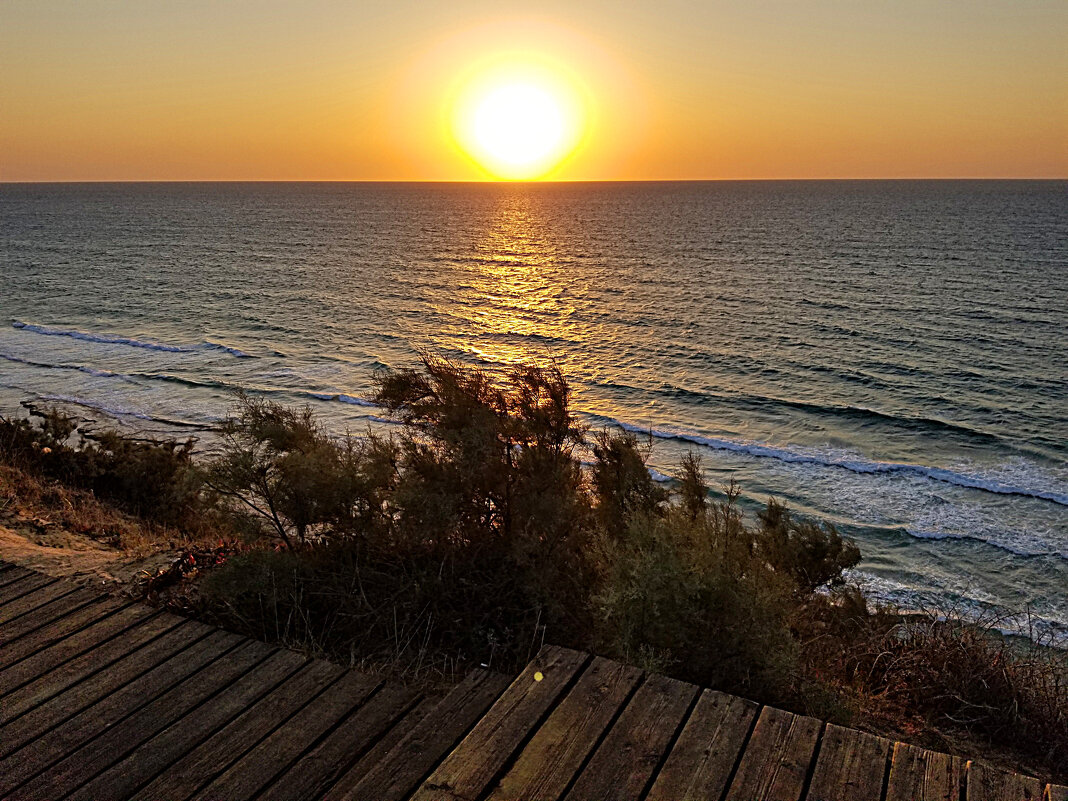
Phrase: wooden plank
(153, 757)
(851, 766)
(68, 703)
(39, 754)
(917, 774)
(17, 613)
(117, 741)
(988, 784)
(23, 586)
(777, 758)
(1056, 792)
(45, 637)
(13, 575)
(562, 743)
(50, 633)
(382, 749)
(55, 681)
(201, 765)
(319, 769)
(627, 759)
(273, 755)
(700, 764)
(71, 643)
(467, 771)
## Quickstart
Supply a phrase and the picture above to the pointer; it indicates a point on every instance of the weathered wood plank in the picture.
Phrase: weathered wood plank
(627, 758)
(214, 755)
(851, 766)
(15, 617)
(381, 749)
(420, 750)
(777, 758)
(70, 638)
(13, 575)
(558, 749)
(69, 673)
(988, 784)
(273, 755)
(117, 741)
(39, 754)
(1056, 792)
(153, 757)
(468, 770)
(23, 586)
(917, 774)
(56, 630)
(700, 764)
(318, 770)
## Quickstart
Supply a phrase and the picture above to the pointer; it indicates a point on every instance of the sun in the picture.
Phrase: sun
(518, 122)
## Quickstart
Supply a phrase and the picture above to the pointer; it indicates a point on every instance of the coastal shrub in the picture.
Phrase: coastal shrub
(155, 479)
(813, 554)
(295, 481)
(673, 597)
(964, 675)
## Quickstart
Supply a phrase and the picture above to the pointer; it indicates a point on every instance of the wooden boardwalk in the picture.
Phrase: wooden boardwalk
(103, 698)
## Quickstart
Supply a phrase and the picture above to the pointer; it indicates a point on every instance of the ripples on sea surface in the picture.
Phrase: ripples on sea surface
(891, 356)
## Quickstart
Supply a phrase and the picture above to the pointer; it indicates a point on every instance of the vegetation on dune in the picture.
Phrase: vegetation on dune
(476, 533)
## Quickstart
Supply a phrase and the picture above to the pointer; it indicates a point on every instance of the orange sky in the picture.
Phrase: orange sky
(332, 90)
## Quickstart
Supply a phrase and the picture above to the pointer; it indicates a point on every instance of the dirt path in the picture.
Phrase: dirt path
(58, 552)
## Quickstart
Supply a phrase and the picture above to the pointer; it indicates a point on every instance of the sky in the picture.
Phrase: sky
(670, 89)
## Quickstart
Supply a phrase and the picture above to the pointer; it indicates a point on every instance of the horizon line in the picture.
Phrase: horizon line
(505, 182)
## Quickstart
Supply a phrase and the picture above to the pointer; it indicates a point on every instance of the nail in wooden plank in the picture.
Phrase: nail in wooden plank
(988, 784)
(153, 757)
(552, 758)
(38, 755)
(628, 756)
(117, 741)
(257, 768)
(917, 774)
(213, 756)
(777, 757)
(468, 770)
(318, 770)
(700, 764)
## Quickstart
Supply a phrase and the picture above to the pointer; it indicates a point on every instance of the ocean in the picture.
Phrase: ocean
(891, 356)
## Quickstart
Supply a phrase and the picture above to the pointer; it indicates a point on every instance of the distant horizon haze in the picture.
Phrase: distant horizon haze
(108, 90)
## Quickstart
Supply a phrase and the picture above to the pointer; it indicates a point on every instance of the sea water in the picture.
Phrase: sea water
(891, 356)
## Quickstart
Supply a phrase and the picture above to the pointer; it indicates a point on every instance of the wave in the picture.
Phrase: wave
(341, 397)
(115, 339)
(853, 464)
(116, 412)
(93, 371)
(833, 410)
(1015, 550)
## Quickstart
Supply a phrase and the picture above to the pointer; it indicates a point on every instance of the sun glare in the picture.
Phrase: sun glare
(518, 123)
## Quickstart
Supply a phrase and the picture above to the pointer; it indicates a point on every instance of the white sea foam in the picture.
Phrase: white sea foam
(853, 463)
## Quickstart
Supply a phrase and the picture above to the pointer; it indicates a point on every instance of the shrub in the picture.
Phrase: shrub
(965, 675)
(151, 478)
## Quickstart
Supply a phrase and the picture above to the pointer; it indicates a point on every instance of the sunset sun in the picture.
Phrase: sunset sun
(518, 123)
